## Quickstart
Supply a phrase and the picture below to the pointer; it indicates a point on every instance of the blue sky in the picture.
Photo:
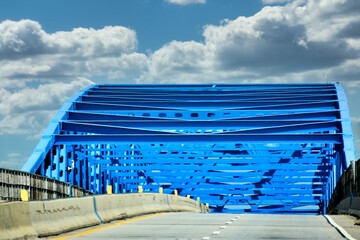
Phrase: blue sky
(51, 49)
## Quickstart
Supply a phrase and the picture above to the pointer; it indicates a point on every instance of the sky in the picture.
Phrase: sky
(51, 49)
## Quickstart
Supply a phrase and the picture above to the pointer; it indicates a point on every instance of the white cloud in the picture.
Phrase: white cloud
(29, 110)
(274, 41)
(19, 38)
(178, 57)
(88, 42)
(22, 37)
(126, 66)
(28, 52)
(39, 70)
(302, 41)
(327, 20)
(274, 44)
(186, 2)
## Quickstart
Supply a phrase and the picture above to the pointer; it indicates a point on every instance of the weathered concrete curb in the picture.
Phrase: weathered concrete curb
(27, 220)
(350, 205)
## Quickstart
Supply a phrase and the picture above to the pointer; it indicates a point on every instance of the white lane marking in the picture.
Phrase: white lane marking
(222, 227)
(228, 223)
(233, 220)
(216, 233)
(339, 228)
(205, 238)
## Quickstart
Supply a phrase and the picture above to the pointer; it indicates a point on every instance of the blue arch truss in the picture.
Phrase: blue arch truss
(252, 148)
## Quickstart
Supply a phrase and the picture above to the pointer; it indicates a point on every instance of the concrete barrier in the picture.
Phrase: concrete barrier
(355, 207)
(344, 205)
(62, 215)
(115, 207)
(15, 222)
(183, 204)
(24, 220)
(349, 206)
(157, 203)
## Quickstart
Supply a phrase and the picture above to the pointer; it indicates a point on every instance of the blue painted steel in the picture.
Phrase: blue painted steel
(259, 148)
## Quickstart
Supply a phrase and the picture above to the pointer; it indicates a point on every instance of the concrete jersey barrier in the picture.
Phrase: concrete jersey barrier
(115, 207)
(15, 221)
(62, 215)
(24, 220)
(350, 205)
(183, 204)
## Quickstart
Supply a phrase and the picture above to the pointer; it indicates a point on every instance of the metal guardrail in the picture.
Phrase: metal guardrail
(38, 187)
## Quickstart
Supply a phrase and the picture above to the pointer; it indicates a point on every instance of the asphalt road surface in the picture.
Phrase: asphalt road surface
(214, 226)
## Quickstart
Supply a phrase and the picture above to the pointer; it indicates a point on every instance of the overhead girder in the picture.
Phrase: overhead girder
(256, 148)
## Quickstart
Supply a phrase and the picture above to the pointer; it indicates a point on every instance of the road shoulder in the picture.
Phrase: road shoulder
(349, 223)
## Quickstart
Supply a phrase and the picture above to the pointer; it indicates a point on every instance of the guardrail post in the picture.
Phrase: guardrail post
(176, 192)
(24, 195)
(70, 189)
(161, 190)
(352, 179)
(140, 189)
(109, 190)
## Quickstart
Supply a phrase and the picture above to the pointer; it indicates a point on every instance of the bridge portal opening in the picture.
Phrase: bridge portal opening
(240, 148)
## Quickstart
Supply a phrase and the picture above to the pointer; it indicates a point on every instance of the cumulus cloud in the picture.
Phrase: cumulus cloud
(186, 2)
(28, 52)
(298, 41)
(27, 37)
(177, 57)
(84, 42)
(269, 41)
(21, 38)
(29, 110)
(329, 20)
(40, 70)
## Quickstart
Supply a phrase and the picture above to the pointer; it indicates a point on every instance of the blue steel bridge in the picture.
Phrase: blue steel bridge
(240, 148)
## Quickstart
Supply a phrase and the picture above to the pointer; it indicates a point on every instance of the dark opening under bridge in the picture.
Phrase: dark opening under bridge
(255, 148)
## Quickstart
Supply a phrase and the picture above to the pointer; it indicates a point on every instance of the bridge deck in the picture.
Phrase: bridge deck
(216, 226)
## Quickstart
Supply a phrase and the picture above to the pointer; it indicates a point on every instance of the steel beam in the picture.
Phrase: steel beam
(257, 148)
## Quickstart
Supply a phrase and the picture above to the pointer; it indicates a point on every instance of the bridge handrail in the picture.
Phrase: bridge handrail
(38, 187)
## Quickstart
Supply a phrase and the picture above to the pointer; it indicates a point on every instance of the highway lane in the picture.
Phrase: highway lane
(215, 226)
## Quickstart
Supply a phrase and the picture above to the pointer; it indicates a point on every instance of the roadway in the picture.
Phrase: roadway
(213, 226)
